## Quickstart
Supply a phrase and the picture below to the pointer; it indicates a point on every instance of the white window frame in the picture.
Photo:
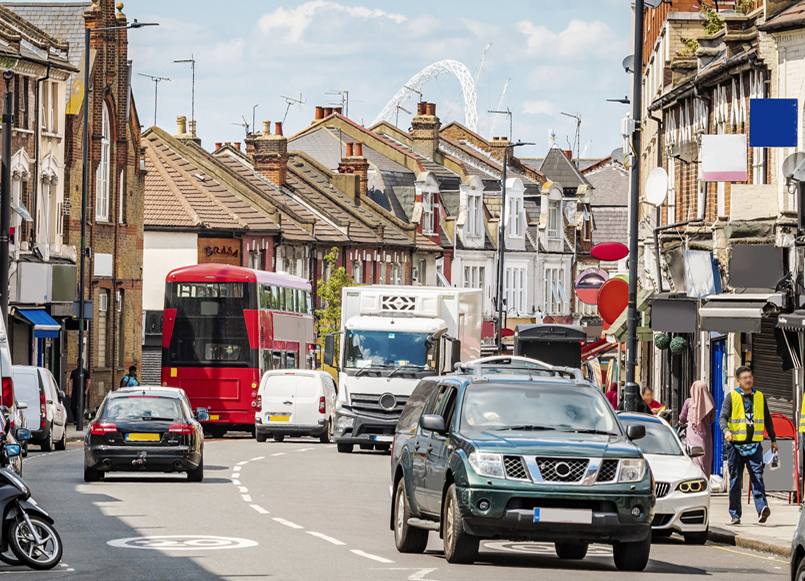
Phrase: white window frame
(671, 201)
(54, 107)
(516, 289)
(552, 299)
(474, 217)
(427, 213)
(554, 214)
(121, 195)
(102, 174)
(45, 199)
(516, 212)
(357, 267)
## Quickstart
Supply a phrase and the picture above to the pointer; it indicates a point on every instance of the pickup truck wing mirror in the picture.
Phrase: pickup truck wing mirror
(433, 423)
(636, 431)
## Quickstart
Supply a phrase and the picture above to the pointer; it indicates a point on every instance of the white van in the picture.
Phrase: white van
(295, 402)
(45, 413)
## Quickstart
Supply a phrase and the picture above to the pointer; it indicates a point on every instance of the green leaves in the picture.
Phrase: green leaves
(328, 318)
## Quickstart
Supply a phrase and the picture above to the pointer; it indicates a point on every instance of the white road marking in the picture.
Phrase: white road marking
(236, 475)
(243, 489)
(246, 497)
(288, 523)
(421, 574)
(237, 468)
(256, 459)
(304, 450)
(326, 538)
(279, 454)
(370, 556)
(259, 509)
(241, 464)
(236, 482)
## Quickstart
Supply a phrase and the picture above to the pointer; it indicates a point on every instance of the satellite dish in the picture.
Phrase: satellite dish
(652, 3)
(628, 64)
(791, 163)
(617, 155)
(657, 186)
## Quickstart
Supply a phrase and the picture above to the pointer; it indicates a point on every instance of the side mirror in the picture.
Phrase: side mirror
(12, 450)
(89, 416)
(696, 452)
(455, 352)
(61, 395)
(202, 415)
(636, 431)
(23, 434)
(329, 349)
(433, 423)
(22, 405)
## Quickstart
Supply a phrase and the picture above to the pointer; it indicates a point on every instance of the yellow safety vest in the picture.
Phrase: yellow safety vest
(737, 422)
(802, 416)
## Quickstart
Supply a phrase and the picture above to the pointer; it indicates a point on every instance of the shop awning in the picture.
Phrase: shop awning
(737, 312)
(44, 325)
(792, 321)
(619, 328)
(596, 349)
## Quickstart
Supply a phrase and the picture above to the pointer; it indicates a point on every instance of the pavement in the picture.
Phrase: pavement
(298, 510)
(774, 536)
(74, 435)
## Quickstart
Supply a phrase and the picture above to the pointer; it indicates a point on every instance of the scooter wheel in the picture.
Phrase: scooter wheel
(9, 559)
(44, 555)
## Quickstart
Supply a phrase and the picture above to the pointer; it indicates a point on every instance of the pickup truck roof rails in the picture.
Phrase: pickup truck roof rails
(476, 367)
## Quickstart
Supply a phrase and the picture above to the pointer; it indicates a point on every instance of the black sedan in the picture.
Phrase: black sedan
(145, 429)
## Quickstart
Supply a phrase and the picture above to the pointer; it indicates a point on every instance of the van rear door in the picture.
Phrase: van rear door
(309, 390)
(279, 399)
(26, 390)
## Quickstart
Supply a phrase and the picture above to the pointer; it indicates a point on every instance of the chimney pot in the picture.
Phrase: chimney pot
(218, 145)
(237, 145)
(349, 148)
(227, 143)
(358, 149)
(278, 128)
(319, 113)
(328, 111)
(266, 127)
(569, 154)
(338, 110)
(420, 108)
(430, 108)
(181, 125)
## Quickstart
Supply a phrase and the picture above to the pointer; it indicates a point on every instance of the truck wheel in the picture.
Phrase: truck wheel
(699, 538)
(459, 546)
(407, 538)
(279, 437)
(260, 437)
(571, 550)
(632, 556)
(344, 448)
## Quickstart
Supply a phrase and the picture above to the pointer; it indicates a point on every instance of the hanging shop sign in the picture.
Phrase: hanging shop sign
(589, 283)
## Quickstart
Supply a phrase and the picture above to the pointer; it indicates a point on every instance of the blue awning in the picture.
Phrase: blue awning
(44, 325)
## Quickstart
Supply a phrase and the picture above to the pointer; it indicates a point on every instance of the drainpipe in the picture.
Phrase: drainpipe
(37, 148)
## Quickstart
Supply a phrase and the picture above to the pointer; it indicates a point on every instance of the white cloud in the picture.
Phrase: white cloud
(540, 108)
(296, 20)
(225, 52)
(579, 39)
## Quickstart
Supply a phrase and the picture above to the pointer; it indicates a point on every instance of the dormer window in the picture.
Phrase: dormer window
(474, 215)
(553, 218)
(516, 217)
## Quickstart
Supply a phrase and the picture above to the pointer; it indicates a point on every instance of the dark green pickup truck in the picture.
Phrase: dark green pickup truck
(539, 457)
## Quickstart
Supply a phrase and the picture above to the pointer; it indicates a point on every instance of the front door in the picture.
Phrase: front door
(438, 453)
(422, 448)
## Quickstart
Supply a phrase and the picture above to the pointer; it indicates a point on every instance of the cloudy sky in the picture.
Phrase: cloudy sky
(560, 56)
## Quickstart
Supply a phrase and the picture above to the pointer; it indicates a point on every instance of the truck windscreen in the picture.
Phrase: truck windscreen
(388, 349)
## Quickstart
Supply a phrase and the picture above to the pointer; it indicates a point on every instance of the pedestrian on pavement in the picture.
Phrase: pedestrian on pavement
(642, 406)
(74, 392)
(648, 397)
(743, 418)
(130, 379)
(612, 394)
(698, 412)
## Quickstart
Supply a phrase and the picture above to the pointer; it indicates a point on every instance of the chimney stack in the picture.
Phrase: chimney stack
(569, 154)
(270, 154)
(192, 125)
(355, 163)
(497, 148)
(358, 149)
(328, 111)
(338, 110)
(425, 129)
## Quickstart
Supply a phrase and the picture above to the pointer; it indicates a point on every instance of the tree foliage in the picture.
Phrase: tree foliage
(328, 318)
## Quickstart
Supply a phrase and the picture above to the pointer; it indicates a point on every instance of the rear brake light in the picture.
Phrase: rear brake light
(8, 392)
(259, 403)
(102, 428)
(322, 407)
(42, 409)
(181, 429)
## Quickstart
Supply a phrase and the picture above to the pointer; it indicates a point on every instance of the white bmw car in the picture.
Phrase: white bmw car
(683, 494)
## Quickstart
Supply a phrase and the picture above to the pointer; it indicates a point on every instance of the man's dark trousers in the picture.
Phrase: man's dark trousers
(754, 464)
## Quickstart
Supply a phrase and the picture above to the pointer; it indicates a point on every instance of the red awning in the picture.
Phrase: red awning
(597, 348)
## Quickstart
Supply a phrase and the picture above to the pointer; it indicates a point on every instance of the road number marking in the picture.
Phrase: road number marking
(370, 556)
(182, 543)
(326, 538)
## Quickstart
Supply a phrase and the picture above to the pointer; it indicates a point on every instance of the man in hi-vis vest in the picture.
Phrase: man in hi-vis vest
(743, 418)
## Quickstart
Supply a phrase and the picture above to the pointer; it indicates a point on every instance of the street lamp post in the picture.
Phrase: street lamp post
(502, 242)
(79, 421)
(5, 192)
(631, 390)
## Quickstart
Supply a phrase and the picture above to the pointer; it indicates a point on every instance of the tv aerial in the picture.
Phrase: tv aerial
(294, 102)
(244, 124)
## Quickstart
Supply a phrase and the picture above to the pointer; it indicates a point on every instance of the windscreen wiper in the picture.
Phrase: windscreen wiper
(527, 427)
(401, 368)
(588, 431)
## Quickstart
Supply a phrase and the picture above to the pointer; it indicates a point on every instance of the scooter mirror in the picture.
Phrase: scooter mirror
(23, 434)
(12, 450)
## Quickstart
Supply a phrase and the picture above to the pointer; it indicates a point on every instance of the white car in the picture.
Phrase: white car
(683, 493)
(295, 402)
(45, 413)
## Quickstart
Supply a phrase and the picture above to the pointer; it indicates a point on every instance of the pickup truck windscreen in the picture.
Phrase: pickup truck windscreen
(389, 350)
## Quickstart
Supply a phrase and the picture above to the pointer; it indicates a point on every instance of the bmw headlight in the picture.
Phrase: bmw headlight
(632, 470)
(691, 486)
(344, 422)
(486, 464)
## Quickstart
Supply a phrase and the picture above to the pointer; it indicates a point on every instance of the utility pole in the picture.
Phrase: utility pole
(631, 390)
(156, 89)
(192, 62)
(5, 194)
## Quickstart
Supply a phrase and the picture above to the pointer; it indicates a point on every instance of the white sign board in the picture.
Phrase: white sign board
(724, 158)
(103, 264)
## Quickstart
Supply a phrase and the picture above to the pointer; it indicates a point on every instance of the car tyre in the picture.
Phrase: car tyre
(459, 546)
(408, 539)
(632, 556)
(325, 437)
(92, 475)
(571, 550)
(800, 574)
(260, 437)
(62, 444)
(699, 538)
(47, 444)
(344, 448)
(197, 474)
(662, 533)
(279, 438)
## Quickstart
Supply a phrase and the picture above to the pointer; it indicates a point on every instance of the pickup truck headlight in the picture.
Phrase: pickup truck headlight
(486, 464)
(691, 486)
(344, 422)
(632, 470)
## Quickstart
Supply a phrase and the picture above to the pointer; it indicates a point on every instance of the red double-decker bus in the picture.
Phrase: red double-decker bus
(223, 327)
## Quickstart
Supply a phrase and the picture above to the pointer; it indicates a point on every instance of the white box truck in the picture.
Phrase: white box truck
(391, 337)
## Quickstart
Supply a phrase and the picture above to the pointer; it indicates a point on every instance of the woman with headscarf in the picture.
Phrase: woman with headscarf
(698, 412)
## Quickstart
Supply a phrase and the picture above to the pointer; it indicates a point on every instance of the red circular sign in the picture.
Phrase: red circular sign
(588, 283)
(609, 251)
(612, 299)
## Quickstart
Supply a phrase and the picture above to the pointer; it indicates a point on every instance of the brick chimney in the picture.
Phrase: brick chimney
(355, 163)
(498, 145)
(425, 129)
(270, 154)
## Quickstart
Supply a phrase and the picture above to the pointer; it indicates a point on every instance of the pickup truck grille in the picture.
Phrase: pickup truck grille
(608, 470)
(562, 469)
(369, 404)
(515, 468)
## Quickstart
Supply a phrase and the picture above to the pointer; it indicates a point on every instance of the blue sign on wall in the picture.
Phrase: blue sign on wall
(772, 123)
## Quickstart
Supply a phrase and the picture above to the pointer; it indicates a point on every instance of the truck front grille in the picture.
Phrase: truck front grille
(562, 469)
(608, 470)
(369, 405)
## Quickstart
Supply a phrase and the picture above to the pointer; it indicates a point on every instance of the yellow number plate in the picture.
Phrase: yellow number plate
(143, 437)
(279, 419)
(215, 417)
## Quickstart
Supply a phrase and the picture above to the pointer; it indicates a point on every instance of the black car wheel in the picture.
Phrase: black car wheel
(407, 538)
(696, 538)
(47, 444)
(459, 546)
(196, 475)
(279, 438)
(325, 437)
(571, 550)
(344, 448)
(800, 574)
(260, 437)
(92, 475)
(632, 556)
(62, 444)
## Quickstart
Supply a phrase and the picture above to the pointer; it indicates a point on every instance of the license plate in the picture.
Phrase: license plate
(564, 515)
(279, 418)
(143, 437)
(384, 438)
(215, 417)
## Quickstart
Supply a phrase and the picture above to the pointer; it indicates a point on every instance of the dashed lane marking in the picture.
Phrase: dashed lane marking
(235, 475)
(241, 464)
(288, 523)
(279, 454)
(258, 458)
(304, 450)
(243, 489)
(246, 497)
(259, 509)
(236, 482)
(237, 468)
(370, 556)
(326, 538)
